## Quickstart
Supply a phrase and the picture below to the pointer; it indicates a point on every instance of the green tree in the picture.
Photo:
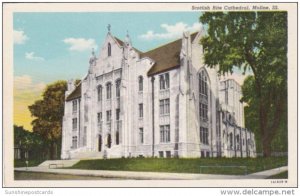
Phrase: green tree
(28, 142)
(255, 41)
(279, 142)
(49, 113)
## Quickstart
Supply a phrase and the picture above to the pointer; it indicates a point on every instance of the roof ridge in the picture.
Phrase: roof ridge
(168, 43)
(122, 42)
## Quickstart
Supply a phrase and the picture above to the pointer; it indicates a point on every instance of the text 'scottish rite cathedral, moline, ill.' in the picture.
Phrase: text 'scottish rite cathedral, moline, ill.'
(161, 103)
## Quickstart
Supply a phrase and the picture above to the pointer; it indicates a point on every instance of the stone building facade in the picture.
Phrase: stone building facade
(159, 103)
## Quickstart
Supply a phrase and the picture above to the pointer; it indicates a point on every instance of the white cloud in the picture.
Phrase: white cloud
(24, 83)
(80, 44)
(171, 31)
(19, 37)
(31, 56)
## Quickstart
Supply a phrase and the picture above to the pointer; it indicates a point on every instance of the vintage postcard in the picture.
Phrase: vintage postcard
(150, 95)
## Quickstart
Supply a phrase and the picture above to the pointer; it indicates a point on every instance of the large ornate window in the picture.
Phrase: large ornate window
(140, 83)
(108, 49)
(108, 90)
(118, 85)
(203, 95)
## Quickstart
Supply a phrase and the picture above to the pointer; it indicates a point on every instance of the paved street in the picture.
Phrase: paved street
(149, 175)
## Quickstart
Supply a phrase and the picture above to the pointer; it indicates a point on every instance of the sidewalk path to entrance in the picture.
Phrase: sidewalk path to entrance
(151, 175)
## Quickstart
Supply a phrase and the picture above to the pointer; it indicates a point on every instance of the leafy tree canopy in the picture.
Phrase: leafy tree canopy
(255, 41)
(49, 113)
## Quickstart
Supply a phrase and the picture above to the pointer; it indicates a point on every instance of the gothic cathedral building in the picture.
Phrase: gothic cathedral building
(161, 103)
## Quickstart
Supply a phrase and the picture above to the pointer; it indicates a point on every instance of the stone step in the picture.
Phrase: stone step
(59, 163)
(87, 155)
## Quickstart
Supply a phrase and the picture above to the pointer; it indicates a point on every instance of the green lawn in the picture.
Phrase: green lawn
(184, 165)
(282, 175)
(31, 163)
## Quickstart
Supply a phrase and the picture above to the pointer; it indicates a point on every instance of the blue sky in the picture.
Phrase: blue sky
(57, 46)
(44, 52)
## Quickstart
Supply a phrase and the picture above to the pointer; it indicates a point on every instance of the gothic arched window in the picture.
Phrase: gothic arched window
(140, 83)
(108, 49)
(203, 95)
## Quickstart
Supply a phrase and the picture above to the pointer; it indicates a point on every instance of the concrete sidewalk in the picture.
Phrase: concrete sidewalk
(151, 175)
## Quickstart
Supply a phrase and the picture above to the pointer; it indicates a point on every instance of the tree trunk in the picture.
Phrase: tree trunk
(51, 150)
(266, 144)
(269, 126)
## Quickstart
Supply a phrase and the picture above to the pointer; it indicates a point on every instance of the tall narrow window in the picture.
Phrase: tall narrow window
(162, 134)
(167, 80)
(74, 124)
(238, 142)
(161, 107)
(164, 106)
(99, 92)
(117, 114)
(74, 142)
(117, 137)
(108, 90)
(203, 83)
(141, 133)
(167, 106)
(140, 83)
(118, 85)
(161, 82)
(108, 49)
(74, 104)
(204, 135)
(203, 111)
(108, 115)
(167, 133)
(108, 141)
(141, 110)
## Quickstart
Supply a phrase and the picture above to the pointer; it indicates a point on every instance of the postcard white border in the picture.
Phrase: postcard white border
(9, 9)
